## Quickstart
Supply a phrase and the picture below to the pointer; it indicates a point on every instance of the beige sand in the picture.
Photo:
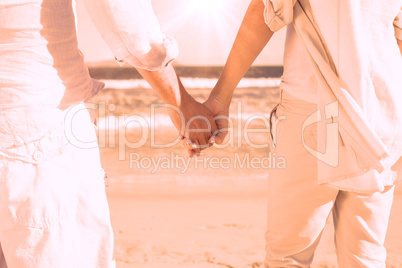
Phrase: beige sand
(221, 229)
(205, 217)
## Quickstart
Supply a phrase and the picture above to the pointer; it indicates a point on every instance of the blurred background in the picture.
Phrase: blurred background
(207, 27)
(168, 210)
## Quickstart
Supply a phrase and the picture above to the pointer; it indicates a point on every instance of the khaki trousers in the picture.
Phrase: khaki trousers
(299, 207)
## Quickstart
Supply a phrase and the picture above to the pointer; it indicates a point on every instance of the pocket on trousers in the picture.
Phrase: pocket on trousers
(275, 127)
(35, 196)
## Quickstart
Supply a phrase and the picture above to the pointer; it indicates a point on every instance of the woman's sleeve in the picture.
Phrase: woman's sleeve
(132, 31)
(278, 13)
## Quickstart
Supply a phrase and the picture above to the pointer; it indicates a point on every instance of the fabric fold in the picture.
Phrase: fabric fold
(374, 149)
(353, 128)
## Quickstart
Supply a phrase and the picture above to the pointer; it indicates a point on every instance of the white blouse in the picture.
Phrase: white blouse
(42, 70)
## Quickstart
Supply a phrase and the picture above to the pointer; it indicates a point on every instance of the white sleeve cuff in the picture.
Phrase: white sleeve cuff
(158, 57)
(278, 13)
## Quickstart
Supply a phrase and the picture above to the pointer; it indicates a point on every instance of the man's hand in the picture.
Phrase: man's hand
(220, 109)
(195, 123)
(252, 37)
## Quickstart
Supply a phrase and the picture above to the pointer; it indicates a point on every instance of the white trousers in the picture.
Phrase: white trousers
(53, 210)
(299, 207)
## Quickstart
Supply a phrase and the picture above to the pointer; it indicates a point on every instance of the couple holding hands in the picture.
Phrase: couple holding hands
(340, 129)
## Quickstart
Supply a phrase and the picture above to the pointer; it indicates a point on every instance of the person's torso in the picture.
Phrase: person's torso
(40, 63)
(42, 72)
(360, 37)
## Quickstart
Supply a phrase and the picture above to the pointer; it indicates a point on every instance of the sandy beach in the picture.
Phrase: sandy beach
(205, 217)
(168, 211)
(161, 225)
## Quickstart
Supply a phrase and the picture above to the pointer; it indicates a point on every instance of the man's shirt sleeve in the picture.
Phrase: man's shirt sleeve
(132, 31)
(278, 13)
(398, 25)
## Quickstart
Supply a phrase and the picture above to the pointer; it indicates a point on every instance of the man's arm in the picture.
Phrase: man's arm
(399, 45)
(252, 37)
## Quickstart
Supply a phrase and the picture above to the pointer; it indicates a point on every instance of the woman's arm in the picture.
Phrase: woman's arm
(132, 32)
(191, 118)
(398, 29)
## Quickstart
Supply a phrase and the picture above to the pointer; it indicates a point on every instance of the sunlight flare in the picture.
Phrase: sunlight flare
(207, 7)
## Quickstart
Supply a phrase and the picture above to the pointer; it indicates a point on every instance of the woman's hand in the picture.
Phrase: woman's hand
(196, 124)
(194, 121)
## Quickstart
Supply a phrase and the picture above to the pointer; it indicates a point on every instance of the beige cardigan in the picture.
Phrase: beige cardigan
(372, 151)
